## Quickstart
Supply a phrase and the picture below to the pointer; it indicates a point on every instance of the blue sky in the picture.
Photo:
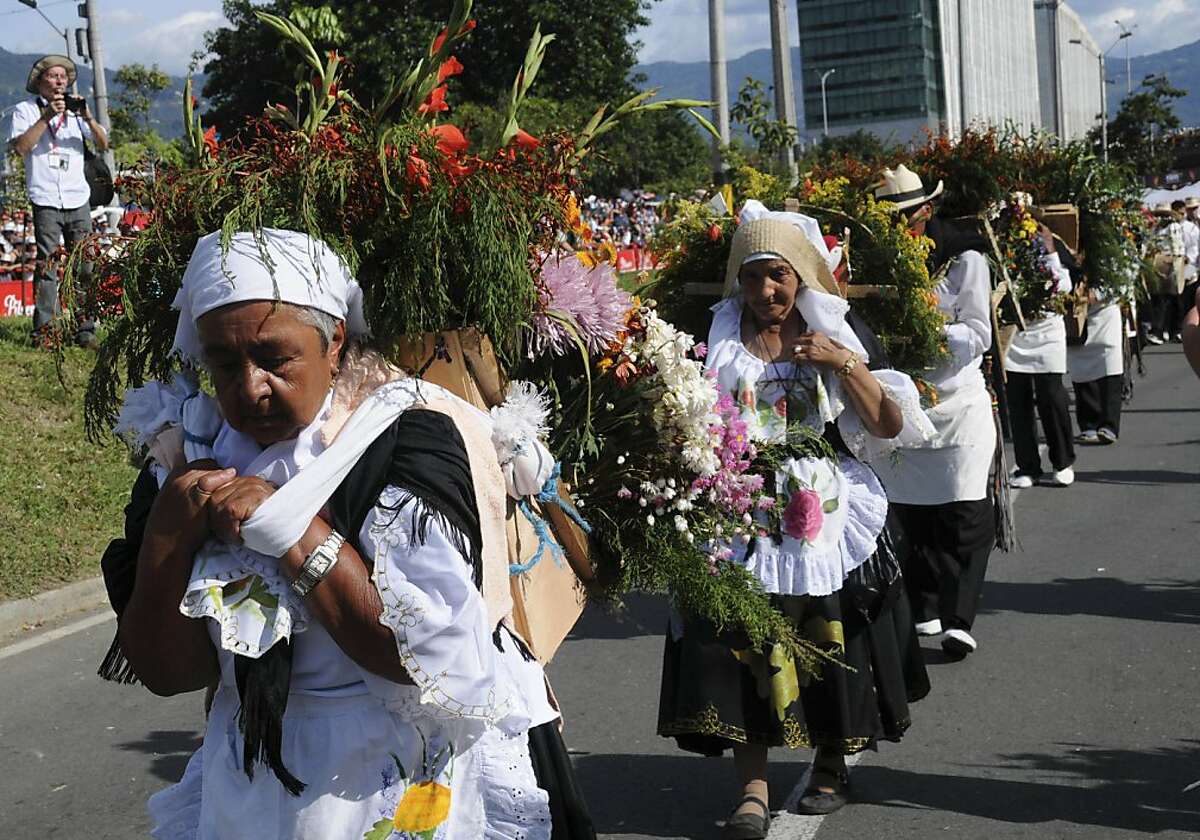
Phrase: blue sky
(166, 32)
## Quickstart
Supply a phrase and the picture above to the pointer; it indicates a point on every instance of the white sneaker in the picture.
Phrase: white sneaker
(958, 643)
(929, 628)
(1088, 438)
(1061, 478)
(1153, 339)
(1020, 482)
(1107, 435)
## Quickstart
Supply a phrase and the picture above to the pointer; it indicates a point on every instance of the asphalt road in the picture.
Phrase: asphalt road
(1077, 718)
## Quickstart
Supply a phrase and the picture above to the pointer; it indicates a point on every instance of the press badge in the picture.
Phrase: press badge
(59, 162)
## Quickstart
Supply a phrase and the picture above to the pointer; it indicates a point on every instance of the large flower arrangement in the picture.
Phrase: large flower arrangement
(673, 479)
(1023, 252)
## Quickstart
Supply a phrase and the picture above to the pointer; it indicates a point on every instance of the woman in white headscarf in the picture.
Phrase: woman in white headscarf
(315, 542)
(781, 346)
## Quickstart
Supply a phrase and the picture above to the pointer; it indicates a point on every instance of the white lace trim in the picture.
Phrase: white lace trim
(402, 613)
(249, 626)
(916, 432)
(790, 567)
(514, 807)
(175, 811)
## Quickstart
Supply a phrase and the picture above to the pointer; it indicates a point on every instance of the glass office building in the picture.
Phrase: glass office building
(904, 67)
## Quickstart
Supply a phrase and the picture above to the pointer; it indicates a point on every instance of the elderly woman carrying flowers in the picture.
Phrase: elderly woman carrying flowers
(782, 349)
(317, 543)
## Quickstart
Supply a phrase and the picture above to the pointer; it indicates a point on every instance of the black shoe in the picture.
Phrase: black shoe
(745, 826)
(820, 802)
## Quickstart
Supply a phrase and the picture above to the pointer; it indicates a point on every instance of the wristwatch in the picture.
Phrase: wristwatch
(318, 564)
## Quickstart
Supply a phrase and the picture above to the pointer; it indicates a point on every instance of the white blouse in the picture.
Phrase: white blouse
(953, 464)
(833, 510)
(369, 749)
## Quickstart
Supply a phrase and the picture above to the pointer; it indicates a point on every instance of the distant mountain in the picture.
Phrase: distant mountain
(691, 79)
(166, 110)
(1181, 65)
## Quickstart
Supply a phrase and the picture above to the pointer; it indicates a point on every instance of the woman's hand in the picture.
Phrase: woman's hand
(818, 348)
(232, 502)
(178, 521)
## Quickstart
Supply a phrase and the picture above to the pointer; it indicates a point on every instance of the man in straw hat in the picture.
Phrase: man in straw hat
(940, 491)
(1170, 262)
(49, 132)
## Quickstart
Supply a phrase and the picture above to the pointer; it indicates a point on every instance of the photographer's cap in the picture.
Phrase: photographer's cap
(45, 63)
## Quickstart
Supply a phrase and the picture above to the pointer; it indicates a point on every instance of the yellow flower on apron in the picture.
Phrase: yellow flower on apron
(424, 807)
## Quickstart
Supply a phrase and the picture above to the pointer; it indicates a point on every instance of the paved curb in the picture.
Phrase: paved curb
(51, 606)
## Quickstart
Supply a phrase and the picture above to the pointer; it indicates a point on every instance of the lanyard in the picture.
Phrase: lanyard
(50, 126)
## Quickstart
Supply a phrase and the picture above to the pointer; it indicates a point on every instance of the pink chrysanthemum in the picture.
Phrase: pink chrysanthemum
(586, 298)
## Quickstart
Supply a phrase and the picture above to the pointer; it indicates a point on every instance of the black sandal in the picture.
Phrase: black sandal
(819, 802)
(748, 826)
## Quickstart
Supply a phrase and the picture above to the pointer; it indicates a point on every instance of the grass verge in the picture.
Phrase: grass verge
(61, 497)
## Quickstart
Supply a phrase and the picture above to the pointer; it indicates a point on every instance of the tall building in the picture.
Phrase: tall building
(1068, 74)
(906, 67)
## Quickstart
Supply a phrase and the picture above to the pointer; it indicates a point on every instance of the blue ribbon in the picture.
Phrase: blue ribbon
(549, 494)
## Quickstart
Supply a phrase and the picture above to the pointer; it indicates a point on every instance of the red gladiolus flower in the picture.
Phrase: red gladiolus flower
(450, 67)
(714, 233)
(526, 140)
(210, 140)
(441, 38)
(435, 103)
(450, 139)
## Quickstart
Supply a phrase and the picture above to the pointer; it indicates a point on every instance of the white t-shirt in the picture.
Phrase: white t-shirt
(54, 169)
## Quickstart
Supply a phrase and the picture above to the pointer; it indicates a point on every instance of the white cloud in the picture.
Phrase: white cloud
(168, 43)
(678, 30)
(1157, 24)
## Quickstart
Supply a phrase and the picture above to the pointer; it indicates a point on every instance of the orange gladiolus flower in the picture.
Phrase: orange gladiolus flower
(450, 139)
(417, 170)
(450, 67)
(435, 102)
(526, 140)
(210, 140)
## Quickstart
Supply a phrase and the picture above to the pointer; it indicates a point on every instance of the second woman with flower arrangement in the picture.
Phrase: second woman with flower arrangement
(796, 376)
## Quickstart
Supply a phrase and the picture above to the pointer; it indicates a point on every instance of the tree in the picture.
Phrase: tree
(589, 63)
(130, 113)
(1137, 134)
(769, 134)
(134, 139)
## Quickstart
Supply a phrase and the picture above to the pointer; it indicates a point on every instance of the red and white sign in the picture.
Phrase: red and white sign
(634, 259)
(16, 298)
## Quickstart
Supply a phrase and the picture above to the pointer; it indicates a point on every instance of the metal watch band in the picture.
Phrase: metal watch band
(318, 564)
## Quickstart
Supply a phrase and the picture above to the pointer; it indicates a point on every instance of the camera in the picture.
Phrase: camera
(75, 104)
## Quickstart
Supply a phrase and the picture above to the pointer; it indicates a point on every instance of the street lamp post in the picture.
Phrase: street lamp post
(1126, 33)
(1103, 86)
(824, 102)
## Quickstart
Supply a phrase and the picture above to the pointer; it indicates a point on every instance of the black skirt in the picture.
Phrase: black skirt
(717, 691)
(555, 774)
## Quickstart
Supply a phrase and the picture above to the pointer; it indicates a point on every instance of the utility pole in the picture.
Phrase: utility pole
(1103, 108)
(785, 98)
(719, 82)
(89, 10)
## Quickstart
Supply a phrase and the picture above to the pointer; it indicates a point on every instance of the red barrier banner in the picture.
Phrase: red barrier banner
(16, 298)
(634, 259)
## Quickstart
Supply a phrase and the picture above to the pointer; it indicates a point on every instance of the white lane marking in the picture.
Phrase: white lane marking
(790, 826)
(56, 634)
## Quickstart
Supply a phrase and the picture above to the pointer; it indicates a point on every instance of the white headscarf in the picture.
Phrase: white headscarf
(272, 264)
(822, 312)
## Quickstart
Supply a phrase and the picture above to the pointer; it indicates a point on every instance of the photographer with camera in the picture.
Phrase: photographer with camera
(49, 131)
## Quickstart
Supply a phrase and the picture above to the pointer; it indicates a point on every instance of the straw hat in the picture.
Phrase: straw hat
(1163, 209)
(903, 188)
(1191, 202)
(778, 237)
(45, 63)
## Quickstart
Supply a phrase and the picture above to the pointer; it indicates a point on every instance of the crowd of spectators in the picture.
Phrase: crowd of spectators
(18, 248)
(628, 221)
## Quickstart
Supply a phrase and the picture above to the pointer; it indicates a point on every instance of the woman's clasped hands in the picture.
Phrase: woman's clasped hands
(201, 500)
